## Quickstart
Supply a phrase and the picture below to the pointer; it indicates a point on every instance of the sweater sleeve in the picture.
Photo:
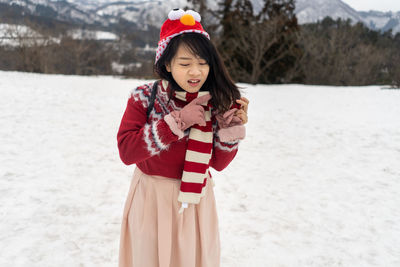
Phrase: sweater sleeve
(138, 139)
(223, 152)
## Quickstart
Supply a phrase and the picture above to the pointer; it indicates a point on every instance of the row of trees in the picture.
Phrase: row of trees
(46, 45)
(339, 53)
(264, 47)
(24, 49)
(270, 46)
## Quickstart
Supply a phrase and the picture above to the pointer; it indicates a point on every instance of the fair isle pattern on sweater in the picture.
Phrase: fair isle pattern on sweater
(155, 125)
(198, 154)
(137, 146)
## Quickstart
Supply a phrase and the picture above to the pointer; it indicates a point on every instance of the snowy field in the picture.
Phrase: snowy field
(315, 184)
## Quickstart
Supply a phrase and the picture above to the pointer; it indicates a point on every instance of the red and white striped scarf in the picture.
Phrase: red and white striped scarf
(198, 154)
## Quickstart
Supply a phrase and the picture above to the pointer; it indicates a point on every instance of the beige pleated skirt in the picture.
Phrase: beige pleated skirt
(154, 234)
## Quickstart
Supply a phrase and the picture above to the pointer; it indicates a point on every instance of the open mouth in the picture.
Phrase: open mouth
(194, 82)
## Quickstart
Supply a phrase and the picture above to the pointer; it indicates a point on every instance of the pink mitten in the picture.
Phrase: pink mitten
(233, 133)
(192, 113)
(228, 119)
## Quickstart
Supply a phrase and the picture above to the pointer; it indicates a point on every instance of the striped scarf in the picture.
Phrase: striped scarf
(198, 154)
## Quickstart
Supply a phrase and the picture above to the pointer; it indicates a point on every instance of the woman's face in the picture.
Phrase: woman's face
(188, 70)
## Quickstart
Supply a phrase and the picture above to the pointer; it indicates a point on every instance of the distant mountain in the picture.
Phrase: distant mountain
(153, 12)
(141, 12)
(382, 20)
(60, 10)
(313, 10)
(99, 12)
(309, 11)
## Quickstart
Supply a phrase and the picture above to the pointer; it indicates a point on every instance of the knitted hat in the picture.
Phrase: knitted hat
(178, 22)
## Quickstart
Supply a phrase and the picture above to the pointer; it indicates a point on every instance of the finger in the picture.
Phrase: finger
(199, 109)
(241, 112)
(202, 122)
(243, 117)
(219, 117)
(202, 99)
(236, 119)
(245, 100)
(243, 104)
(243, 121)
(228, 119)
(200, 117)
(229, 112)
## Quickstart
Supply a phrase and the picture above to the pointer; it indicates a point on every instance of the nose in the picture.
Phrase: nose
(194, 70)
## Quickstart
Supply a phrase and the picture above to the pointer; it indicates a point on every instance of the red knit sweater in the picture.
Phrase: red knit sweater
(151, 145)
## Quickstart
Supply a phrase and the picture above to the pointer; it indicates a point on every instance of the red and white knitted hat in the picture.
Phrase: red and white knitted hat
(178, 22)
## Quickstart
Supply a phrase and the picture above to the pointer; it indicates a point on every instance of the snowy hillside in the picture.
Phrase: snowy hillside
(382, 20)
(307, 11)
(153, 12)
(314, 10)
(315, 183)
(62, 10)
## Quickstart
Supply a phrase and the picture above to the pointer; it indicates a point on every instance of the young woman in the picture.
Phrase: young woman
(173, 130)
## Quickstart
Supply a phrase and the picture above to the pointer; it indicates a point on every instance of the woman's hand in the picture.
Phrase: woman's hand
(192, 113)
(228, 119)
(234, 116)
(242, 112)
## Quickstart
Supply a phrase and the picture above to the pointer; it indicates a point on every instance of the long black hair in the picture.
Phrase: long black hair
(223, 90)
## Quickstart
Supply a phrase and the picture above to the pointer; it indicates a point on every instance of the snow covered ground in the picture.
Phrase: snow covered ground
(315, 183)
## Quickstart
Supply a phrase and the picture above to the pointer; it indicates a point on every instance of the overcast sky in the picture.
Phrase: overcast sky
(381, 5)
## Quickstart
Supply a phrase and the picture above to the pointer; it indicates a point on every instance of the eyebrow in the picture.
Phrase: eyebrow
(189, 58)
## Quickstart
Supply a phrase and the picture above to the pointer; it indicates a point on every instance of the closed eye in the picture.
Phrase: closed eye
(184, 65)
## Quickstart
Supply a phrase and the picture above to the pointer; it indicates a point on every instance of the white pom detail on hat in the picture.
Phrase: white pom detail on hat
(195, 15)
(176, 14)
